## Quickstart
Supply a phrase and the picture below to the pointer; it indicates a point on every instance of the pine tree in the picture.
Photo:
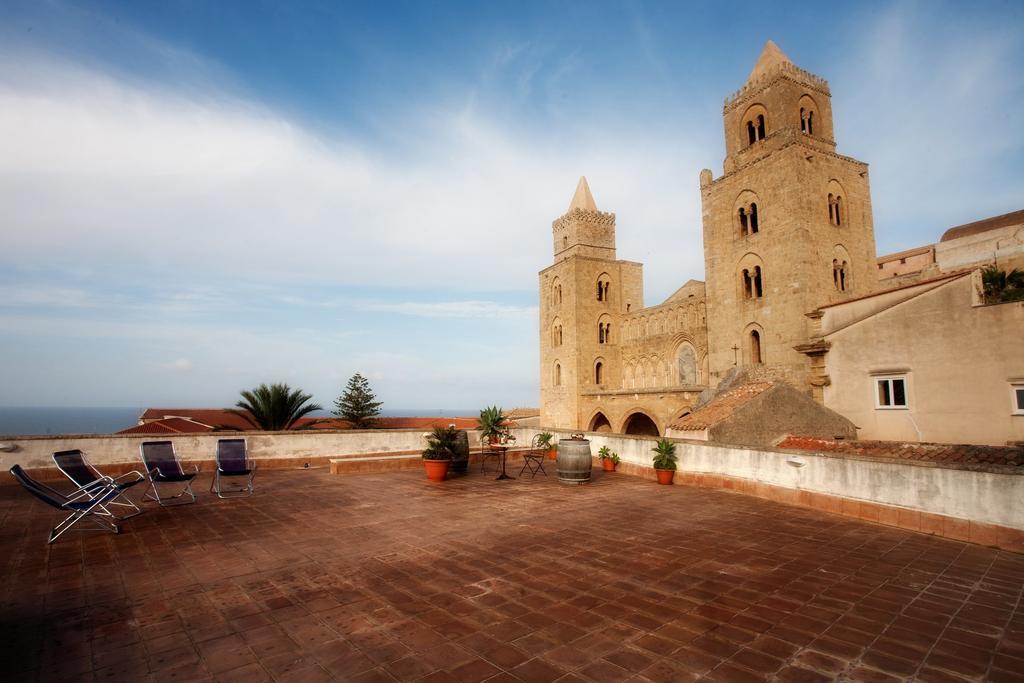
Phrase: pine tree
(358, 404)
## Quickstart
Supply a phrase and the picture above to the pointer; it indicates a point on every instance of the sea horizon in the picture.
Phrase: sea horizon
(52, 420)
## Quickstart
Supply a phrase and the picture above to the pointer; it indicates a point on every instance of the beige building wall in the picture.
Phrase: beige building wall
(959, 358)
(797, 181)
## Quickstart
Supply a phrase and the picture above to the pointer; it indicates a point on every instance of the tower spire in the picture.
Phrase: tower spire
(771, 57)
(583, 199)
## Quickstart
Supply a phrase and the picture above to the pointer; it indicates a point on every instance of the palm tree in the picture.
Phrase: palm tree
(999, 286)
(274, 408)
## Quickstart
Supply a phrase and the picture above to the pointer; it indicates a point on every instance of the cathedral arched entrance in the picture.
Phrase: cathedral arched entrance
(600, 423)
(640, 424)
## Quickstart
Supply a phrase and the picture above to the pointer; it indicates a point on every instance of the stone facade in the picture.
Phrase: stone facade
(787, 228)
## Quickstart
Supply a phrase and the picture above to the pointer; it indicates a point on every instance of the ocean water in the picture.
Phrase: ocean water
(32, 421)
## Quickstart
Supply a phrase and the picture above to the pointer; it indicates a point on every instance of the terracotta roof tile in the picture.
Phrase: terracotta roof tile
(721, 408)
(962, 454)
(984, 225)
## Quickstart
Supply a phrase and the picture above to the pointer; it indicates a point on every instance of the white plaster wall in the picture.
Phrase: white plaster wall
(978, 496)
(32, 452)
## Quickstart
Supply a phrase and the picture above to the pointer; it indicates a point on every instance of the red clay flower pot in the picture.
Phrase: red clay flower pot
(665, 476)
(553, 454)
(437, 470)
(608, 465)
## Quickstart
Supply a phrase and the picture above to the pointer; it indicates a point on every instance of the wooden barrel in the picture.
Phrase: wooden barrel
(461, 460)
(573, 461)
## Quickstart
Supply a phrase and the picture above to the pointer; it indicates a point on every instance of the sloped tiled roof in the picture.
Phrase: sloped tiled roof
(198, 420)
(984, 225)
(958, 454)
(722, 407)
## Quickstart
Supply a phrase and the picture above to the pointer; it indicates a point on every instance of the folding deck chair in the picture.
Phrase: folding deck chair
(83, 503)
(81, 473)
(533, 459)
(233, 461)
(162, 467)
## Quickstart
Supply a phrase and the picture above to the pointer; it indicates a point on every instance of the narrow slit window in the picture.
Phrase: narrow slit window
(753, 218)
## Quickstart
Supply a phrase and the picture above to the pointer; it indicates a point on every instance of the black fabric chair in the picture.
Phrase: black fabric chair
(534, 458)
(162, 467)
(80, 471)
(233, 461)
(84, 504)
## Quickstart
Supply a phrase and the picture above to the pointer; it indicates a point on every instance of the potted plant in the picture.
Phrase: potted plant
(665, 460)
(493, 425)
(609, 459)
(437, 456)
(545, 440)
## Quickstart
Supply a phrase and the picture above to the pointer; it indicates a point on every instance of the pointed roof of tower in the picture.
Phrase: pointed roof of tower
(771, 57)
(583, 199)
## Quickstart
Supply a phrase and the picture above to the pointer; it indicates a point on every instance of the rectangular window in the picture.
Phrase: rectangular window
(891, 392)
(1018, 398)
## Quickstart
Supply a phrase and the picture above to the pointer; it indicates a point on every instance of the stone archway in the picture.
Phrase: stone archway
(640, 424)
(600, 423)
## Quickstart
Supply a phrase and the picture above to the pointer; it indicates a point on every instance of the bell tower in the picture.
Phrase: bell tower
(787, 227)
(583, 296)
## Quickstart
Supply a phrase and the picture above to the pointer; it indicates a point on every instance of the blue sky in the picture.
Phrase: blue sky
(201, 196)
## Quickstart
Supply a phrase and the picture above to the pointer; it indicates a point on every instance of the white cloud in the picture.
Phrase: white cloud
(451, 309)
(182, 186)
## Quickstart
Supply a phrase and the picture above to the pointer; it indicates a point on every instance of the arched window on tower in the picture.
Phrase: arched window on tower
(744, 225)
(840, 275)
(810, 122)
(755, 347)
(751, 132)
(558, 375)
(603, 287)
(565, 242)
(831, 208)
(748, 285)
(803, 120)
(760, 126)
(600, 333)
(753, 219)
(757, 282)
(598, 372)
(839, 210)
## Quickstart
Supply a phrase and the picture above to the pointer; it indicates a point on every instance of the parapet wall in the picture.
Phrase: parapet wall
(115, 453)
(979, 506)
(964, 504)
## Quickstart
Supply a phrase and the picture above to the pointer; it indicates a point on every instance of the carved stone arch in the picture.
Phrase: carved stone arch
(604, 329)
(747, 214)
(753, 344)
(639, 422)
(556, 292)
(809, 116)
(750, 277)
(556, 332)
(599, 422)
(842, 268)
(687, 370)
(603, 287)
(838, 206)
(627, 374)
(556, 373)
(599, 371)
(754, 125)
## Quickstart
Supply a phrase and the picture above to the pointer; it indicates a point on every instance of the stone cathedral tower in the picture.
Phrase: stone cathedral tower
(582, 299)
(787, 227)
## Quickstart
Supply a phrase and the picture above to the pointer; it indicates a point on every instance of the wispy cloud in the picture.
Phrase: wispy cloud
(451, 309)
(45, 296)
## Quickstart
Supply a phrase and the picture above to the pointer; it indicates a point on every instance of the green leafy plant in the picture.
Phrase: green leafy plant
(358, 404)
(604, 453)
(441, 444)
(493, 424)
(544, 440)
(664, 455)
(614, 457)
(999, 286)
(274, 408)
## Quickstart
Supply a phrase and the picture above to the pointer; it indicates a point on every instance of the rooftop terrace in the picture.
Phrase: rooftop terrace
(382, 577)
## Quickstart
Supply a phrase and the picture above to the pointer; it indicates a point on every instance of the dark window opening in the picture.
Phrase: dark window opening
(760, 127)
(743, 221)
(751, 133)
(757, 282)
(598, 372)
(747, 284)
(753, 218)
(755, 347)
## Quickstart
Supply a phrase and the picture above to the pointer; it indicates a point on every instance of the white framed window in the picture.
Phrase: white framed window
(1017, 396)
(891, 392)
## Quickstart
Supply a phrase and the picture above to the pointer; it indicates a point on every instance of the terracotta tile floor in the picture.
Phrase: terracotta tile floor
(388, 577)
